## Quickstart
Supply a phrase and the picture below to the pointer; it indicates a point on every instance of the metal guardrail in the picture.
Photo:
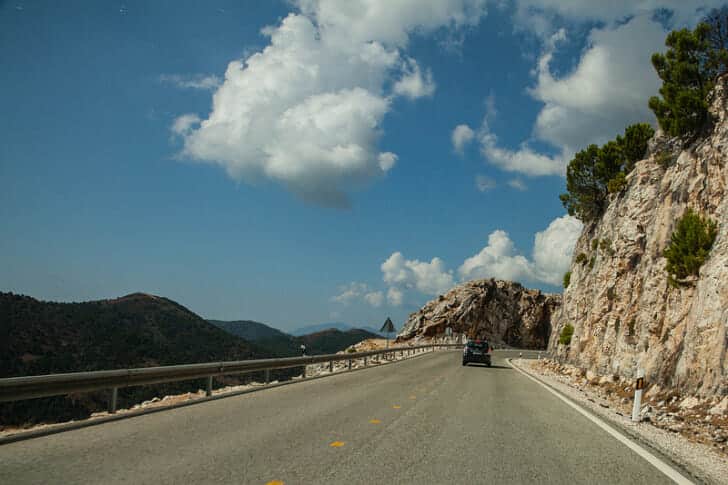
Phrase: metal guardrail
(19, 388)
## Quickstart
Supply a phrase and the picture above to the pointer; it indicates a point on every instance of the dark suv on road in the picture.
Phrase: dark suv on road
(477, 351)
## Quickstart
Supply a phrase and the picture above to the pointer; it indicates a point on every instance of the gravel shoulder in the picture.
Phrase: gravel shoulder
(705, 463)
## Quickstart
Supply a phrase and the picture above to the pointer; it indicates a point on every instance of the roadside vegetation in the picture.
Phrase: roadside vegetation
(689, 247)
(595, 172)
(688, 70)
(566, 333)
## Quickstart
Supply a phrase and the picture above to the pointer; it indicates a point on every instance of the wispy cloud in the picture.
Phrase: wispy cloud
(192, 81)
(517, 184)
(484, 183)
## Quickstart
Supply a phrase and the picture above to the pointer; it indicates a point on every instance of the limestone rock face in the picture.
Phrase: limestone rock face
(623, 311)
(501, 311)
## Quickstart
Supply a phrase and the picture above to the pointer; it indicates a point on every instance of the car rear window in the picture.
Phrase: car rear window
(478, 345)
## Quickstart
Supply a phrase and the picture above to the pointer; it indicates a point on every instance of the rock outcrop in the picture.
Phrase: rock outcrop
(501, 311)
(624, 313)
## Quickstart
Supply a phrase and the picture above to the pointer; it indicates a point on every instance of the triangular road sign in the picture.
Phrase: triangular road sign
(387, 327)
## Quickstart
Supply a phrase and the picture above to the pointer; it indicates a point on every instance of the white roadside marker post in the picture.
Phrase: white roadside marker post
(638, 387)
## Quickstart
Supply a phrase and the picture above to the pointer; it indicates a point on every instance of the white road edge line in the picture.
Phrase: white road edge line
(665, 468)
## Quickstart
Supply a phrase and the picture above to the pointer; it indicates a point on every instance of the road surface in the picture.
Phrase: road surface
(425, 420)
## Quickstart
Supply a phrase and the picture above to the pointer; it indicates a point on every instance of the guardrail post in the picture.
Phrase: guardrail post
(331, 366)
(304, 371)
(349, 364)
(365, 361)
(112, 401)
(267, 376)
(208, 387)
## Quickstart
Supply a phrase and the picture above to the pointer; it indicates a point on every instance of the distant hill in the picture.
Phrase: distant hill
(326, 326)
(136, 330)
(249, 330)
(281, 344)
(333, 340)
(269, 339)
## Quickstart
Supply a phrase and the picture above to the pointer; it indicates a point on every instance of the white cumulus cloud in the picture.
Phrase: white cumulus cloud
(395, 296)
(497, 260)
(554, 247)
(552, 251)
(307, 110)
(429, 278)
(607, 90)
(551, 256)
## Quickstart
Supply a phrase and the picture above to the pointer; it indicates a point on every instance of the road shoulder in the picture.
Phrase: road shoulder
(693, 460)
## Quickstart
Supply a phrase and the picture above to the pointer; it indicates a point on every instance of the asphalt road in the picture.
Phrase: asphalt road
(425, 420)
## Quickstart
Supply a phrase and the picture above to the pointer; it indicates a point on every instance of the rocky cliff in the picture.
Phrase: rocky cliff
(502, 311)
(624, 313)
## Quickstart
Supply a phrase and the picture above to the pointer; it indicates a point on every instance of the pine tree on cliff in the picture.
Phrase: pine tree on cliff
(688, 70)
(597, 171)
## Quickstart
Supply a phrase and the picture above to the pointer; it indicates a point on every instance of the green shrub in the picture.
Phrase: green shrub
(616, 326)
(610, 293)
(567, 279)
(566, 333)
(664, 158)
(592, 261)
(595, 244)
(689, 246)
(605, 245)
(617, 184)
(630, 327)
(580, 258)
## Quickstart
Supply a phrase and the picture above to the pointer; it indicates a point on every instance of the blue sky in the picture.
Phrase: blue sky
(298, 162)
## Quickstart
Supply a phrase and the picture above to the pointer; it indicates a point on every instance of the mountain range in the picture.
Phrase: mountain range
(136, 330)
(326, 341)
(308, 329)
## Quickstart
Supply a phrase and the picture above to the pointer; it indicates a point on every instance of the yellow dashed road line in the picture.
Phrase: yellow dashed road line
(337, 444)
(275, 482)
(374, 421)
(396, 406)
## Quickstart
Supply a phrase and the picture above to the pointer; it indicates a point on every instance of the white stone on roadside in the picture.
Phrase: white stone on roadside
(689, 402)
(721, 408)
(652, 391)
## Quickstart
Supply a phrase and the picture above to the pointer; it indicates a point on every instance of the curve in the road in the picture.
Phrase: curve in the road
(465, 425)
